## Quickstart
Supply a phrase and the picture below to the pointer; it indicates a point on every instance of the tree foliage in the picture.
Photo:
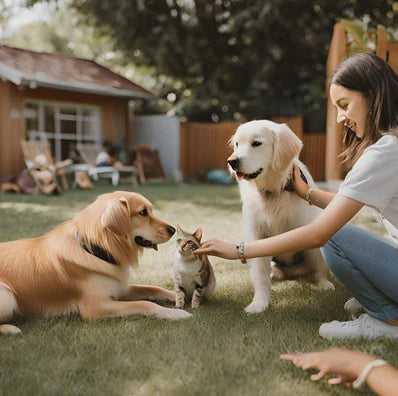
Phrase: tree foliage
(233, 59)
(5, 13)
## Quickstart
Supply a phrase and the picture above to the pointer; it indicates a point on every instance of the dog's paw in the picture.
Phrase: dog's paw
(9, 329)
(324, 284)
(256, 307)
(176, 314)
(276, 273)
(169, 295)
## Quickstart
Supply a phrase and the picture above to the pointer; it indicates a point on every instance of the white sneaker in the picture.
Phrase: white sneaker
(354, 307)
(365, 326)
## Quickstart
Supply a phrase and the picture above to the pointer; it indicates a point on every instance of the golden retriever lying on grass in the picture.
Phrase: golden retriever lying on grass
(83, 265)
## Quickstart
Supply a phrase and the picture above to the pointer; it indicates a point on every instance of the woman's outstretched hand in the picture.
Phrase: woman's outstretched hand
(216, 247)
(346, 365)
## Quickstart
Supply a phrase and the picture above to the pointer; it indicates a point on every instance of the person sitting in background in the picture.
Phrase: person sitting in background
(350, 368)
(107, 156)
(75, 156)
(104, 157)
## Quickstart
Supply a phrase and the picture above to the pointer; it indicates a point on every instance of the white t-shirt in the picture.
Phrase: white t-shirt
(373, 179)
(102, 158)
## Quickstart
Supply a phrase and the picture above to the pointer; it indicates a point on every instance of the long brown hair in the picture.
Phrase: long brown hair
(376, 81)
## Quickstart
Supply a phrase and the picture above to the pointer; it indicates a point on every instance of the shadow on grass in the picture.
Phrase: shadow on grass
(207, 195)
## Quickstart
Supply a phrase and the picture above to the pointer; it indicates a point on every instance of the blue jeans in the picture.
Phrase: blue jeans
(367, 265)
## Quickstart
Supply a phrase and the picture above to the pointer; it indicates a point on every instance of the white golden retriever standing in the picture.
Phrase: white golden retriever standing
(262, 161)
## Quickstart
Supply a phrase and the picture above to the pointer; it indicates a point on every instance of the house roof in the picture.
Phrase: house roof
(34, 69)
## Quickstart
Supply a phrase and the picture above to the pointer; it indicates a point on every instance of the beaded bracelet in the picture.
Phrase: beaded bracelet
(308, 195)
(365, 372)
(241, 252)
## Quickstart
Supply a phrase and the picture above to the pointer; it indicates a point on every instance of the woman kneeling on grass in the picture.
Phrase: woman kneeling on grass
(365, 91)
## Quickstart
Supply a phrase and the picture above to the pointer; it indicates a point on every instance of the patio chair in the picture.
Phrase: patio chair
(89, 153)
(37, 155)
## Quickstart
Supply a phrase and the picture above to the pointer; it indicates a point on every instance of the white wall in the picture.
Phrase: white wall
(163, 133)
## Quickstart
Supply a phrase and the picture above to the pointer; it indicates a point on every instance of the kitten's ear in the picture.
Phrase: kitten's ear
(179, 230)
(198, 234)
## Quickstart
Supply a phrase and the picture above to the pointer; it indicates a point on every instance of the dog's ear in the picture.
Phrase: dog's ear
(287, 146)
(116, 216)
(231, 142)
(198, 234)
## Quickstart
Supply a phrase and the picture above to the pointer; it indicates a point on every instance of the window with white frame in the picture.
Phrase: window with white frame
(63, 125)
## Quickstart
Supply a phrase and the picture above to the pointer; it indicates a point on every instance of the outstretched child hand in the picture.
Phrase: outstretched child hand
(346, 365)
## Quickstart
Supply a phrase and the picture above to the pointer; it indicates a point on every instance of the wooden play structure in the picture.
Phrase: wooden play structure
(340, 48)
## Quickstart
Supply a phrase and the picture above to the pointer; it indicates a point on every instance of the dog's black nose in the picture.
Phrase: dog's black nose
(171, 230)
(234, 163)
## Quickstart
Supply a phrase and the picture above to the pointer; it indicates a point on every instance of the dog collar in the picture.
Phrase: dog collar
(96, 251)
(288, 185)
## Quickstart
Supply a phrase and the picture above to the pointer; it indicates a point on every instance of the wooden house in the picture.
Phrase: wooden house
(61, 99)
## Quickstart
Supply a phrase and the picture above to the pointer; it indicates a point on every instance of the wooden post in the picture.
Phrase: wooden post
(381, 42)
(387, 50)
(334, 131)
(130, 130)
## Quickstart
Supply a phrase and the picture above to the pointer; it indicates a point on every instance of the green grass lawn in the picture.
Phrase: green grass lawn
(220, 351)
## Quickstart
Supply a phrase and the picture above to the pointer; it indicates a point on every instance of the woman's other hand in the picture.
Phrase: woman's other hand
(299, 185)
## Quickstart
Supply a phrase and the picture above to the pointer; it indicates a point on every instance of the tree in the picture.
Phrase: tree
(5, 13)
(226, 59)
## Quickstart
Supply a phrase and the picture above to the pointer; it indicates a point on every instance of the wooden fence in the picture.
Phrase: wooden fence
(313, 154)
(205, 146)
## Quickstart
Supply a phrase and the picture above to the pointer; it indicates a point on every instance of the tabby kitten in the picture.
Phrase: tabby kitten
(193, 275)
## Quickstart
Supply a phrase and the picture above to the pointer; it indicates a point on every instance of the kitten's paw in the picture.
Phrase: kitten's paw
(195, 305)
(256, 307)
(180, 300)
